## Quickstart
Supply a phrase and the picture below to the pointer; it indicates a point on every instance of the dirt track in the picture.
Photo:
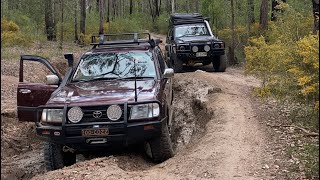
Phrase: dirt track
(219, 132)
(230, 145)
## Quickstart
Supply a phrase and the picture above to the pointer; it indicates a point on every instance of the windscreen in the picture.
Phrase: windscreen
(191, 30)
(115, 66)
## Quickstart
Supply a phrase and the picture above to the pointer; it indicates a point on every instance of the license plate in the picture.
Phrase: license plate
(95, 132)
(201, 54)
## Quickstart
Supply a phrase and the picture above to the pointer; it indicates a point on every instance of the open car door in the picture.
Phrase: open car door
(32, 95)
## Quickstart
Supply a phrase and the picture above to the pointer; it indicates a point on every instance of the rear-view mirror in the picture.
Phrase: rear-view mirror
(168, 73)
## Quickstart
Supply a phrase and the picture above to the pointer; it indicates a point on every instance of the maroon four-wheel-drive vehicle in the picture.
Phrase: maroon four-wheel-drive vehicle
(119, 93)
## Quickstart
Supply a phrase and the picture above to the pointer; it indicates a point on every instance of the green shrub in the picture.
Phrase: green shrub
(9, 26)
(10, 34)
(287, 61)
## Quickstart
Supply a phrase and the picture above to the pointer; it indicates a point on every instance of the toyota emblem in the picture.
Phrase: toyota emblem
(97, 114)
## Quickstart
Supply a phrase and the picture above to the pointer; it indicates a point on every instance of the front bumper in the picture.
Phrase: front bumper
(188, 54)
(119, 134)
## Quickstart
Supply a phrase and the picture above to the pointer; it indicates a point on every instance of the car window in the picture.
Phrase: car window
(115, 65)
(191, 30)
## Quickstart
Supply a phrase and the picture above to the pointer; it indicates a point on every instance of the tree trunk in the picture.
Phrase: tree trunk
(197, 6)
(76, 37)
(108, 11)
(49, 21)
(151, 10)
(62, 21)
(114, 10)
(251, 19)
(156, 8)
(168, 6)
(172, 7)
(98, 6)
(315, 4)
(101, 14)
(83, 16)
(264, 15)
(231, 49)
(187, 6)
(131, 7)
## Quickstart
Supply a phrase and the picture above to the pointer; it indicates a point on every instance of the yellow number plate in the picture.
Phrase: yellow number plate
(95, 132)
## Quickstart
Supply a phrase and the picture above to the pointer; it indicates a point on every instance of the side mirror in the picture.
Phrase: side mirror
(170, 38)
(168, 73)
(52, 79)
(69, 57)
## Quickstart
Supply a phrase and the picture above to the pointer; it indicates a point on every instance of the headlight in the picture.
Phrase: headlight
(195, 49)
(143, 111)
(182, 48)
(207, 48)
(52, 115)
(75, 114)
(114, 112)
(216, 46)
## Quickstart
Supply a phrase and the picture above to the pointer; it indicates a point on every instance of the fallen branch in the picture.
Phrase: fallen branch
(307, 133)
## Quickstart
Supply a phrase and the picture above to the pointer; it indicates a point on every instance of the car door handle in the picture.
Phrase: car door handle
(25, 91)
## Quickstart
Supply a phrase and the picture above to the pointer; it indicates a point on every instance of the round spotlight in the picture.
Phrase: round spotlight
(195, 49)
(207, 48)
(114, 112)
(182, 48)
(75, 114)
(216, 46)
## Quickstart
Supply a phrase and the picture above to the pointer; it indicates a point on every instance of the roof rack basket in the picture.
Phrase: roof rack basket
(186, 18)
(100, 40)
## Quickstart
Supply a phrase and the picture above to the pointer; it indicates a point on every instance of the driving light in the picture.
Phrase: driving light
(52, 115)
(207, 48)
(195, 49)
(143, 111)
(75, 114)
(114, 112)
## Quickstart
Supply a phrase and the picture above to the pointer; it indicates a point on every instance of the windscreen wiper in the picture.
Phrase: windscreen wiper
(95, 79)
(141, 77)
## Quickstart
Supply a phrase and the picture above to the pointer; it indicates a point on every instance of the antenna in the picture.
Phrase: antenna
(135, 81)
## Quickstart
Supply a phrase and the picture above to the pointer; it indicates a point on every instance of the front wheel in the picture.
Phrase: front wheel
(55, 158)
(220, 63)
(177, 63)
(160, 148)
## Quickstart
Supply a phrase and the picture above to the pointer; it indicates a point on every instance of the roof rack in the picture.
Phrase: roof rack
(100, 40)
(186, 18)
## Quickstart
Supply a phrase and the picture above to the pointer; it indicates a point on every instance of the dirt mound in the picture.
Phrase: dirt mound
(190, 110)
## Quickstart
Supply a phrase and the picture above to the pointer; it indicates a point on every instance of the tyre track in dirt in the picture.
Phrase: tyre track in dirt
(217, 136)
(230, 147)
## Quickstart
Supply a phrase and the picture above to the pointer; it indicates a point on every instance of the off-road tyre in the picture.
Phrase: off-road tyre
(220, 64)
(55, 158)
(161, 147)
(176, 63)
